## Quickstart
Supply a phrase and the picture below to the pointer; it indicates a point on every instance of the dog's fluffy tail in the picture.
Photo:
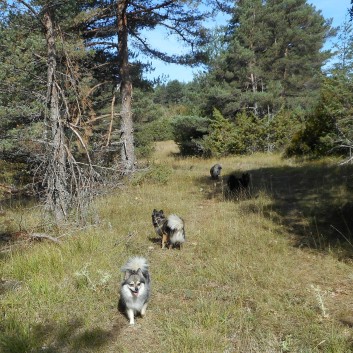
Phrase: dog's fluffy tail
(134, 263)
(176, 224)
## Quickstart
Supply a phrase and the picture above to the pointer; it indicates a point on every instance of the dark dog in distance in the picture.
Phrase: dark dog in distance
(215, 171)
(238, 186)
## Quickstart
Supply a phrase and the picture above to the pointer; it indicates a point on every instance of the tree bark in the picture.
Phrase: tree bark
(57, 197)
(127, 152)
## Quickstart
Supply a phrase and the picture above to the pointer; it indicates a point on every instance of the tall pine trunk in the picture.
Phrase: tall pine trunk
(57, 198)
(127, 153)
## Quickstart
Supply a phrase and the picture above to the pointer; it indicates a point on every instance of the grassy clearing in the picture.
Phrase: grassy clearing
(256, 275)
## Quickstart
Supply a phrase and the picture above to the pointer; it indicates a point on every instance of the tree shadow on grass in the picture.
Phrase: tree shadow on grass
(314, 202)
(212, 189)
(217, 189)
(51, 337)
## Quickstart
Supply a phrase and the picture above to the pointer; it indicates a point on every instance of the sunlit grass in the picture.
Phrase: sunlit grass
(238, 285)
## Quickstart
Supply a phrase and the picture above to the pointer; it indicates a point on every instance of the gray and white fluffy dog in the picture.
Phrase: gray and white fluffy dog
(215, 171)
(135, 289)
(171, 229)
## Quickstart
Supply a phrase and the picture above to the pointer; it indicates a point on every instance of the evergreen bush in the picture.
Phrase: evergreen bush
(222, 138)
(147, 133)
(188, 134)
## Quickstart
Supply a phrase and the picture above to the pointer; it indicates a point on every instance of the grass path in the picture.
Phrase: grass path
(247, 280)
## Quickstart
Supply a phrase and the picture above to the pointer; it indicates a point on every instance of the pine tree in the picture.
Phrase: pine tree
(295, 57)
(21, 64)
(131, 20)
(273, 58)
(328, 129)
(343, 63)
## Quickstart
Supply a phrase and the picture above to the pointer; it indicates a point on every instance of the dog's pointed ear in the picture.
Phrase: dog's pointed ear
(139, 272)
(127, 275)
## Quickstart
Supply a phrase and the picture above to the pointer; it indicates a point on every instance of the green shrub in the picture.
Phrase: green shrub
(264, 134)
(160, 129)
(221, 139)
(251, 133)
(280, 130)
(219, 136)
(317, 138)
(188, 134)
(329, 127)
(147, 133)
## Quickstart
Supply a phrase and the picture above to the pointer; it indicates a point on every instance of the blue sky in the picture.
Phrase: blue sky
(335, 9)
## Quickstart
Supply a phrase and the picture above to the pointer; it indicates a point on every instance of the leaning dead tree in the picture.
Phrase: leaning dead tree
(69, 184)
(66, 184)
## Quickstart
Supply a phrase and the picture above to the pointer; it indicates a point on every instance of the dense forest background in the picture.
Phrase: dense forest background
(76, 112)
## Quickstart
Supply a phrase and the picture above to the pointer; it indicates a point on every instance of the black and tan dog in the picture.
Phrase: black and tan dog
(170, 228)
